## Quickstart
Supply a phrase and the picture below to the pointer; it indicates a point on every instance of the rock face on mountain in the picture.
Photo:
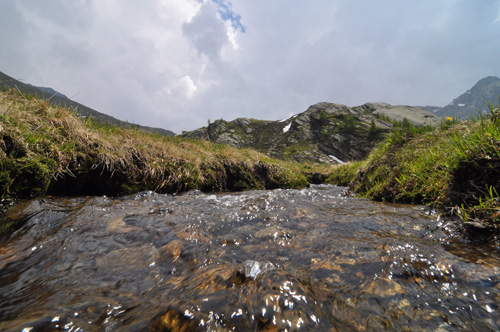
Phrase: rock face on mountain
(59, 99)
(484, 92)
(325, 132)
(418, 116)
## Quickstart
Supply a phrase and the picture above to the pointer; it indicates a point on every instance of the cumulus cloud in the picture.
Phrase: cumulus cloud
(207, 32)
(184, 87)
(177, 63)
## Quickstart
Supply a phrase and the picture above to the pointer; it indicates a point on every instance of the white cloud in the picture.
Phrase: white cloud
(184, 87)
(207, 32)
(177, 63)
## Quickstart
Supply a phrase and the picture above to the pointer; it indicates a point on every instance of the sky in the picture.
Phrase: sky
(177, 64)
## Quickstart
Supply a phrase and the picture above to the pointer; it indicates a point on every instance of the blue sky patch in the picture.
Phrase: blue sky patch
(227, 14)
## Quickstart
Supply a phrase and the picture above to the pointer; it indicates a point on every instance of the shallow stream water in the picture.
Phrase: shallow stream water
(281, 260)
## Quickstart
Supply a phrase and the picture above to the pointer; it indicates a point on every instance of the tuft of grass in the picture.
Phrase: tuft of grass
(343, 175)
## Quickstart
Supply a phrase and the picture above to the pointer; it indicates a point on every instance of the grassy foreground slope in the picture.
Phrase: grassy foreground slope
(455, 167)
(46, 149)
(50, 150)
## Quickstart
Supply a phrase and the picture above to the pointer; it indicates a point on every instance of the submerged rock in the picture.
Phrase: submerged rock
(254, 268)
(294, 260)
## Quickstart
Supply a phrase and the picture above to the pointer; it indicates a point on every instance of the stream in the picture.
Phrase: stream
(283, 260)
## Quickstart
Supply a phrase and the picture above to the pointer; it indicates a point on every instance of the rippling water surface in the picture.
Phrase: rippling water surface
(282, 260)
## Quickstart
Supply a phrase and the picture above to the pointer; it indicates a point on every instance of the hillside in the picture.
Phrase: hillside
(59, 99)
(46, 149)
(324, 133)
(479, 97)
(453, 167)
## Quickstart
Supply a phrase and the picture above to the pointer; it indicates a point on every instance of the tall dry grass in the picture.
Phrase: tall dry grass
(49, 149)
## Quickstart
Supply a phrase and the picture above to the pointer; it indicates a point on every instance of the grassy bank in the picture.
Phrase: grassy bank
(51, 150)
(455, 167)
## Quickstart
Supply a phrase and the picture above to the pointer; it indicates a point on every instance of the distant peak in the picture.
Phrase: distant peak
(488, 80)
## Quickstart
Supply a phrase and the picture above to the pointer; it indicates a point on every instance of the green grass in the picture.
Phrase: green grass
(455, 167)
(51, 150)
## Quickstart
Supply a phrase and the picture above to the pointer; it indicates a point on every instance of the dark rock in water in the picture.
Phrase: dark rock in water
(174, 320)
(272, 260)
(477, 232)
(324, 133)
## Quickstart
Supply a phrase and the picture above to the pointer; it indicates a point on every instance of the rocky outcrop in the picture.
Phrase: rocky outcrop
(324, 133)
(418, 116)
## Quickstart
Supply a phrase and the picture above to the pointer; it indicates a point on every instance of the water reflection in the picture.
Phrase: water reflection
(282, 260)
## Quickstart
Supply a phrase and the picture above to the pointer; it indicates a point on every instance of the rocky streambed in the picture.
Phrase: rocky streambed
(281, 260)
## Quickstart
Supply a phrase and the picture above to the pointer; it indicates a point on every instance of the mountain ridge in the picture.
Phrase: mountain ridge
(324, 133)
(325, 139)
(475, 100)
(59, 99)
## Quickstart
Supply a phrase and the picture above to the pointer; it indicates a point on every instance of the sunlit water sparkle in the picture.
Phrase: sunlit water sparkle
(282, 260)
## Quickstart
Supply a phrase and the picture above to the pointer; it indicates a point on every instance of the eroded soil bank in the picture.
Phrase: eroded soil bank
(454, 168)
(51, 150)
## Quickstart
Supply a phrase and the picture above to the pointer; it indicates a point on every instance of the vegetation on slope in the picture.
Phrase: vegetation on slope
(455, 167)
(56, 98)
(46, 149)
(322, 131)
